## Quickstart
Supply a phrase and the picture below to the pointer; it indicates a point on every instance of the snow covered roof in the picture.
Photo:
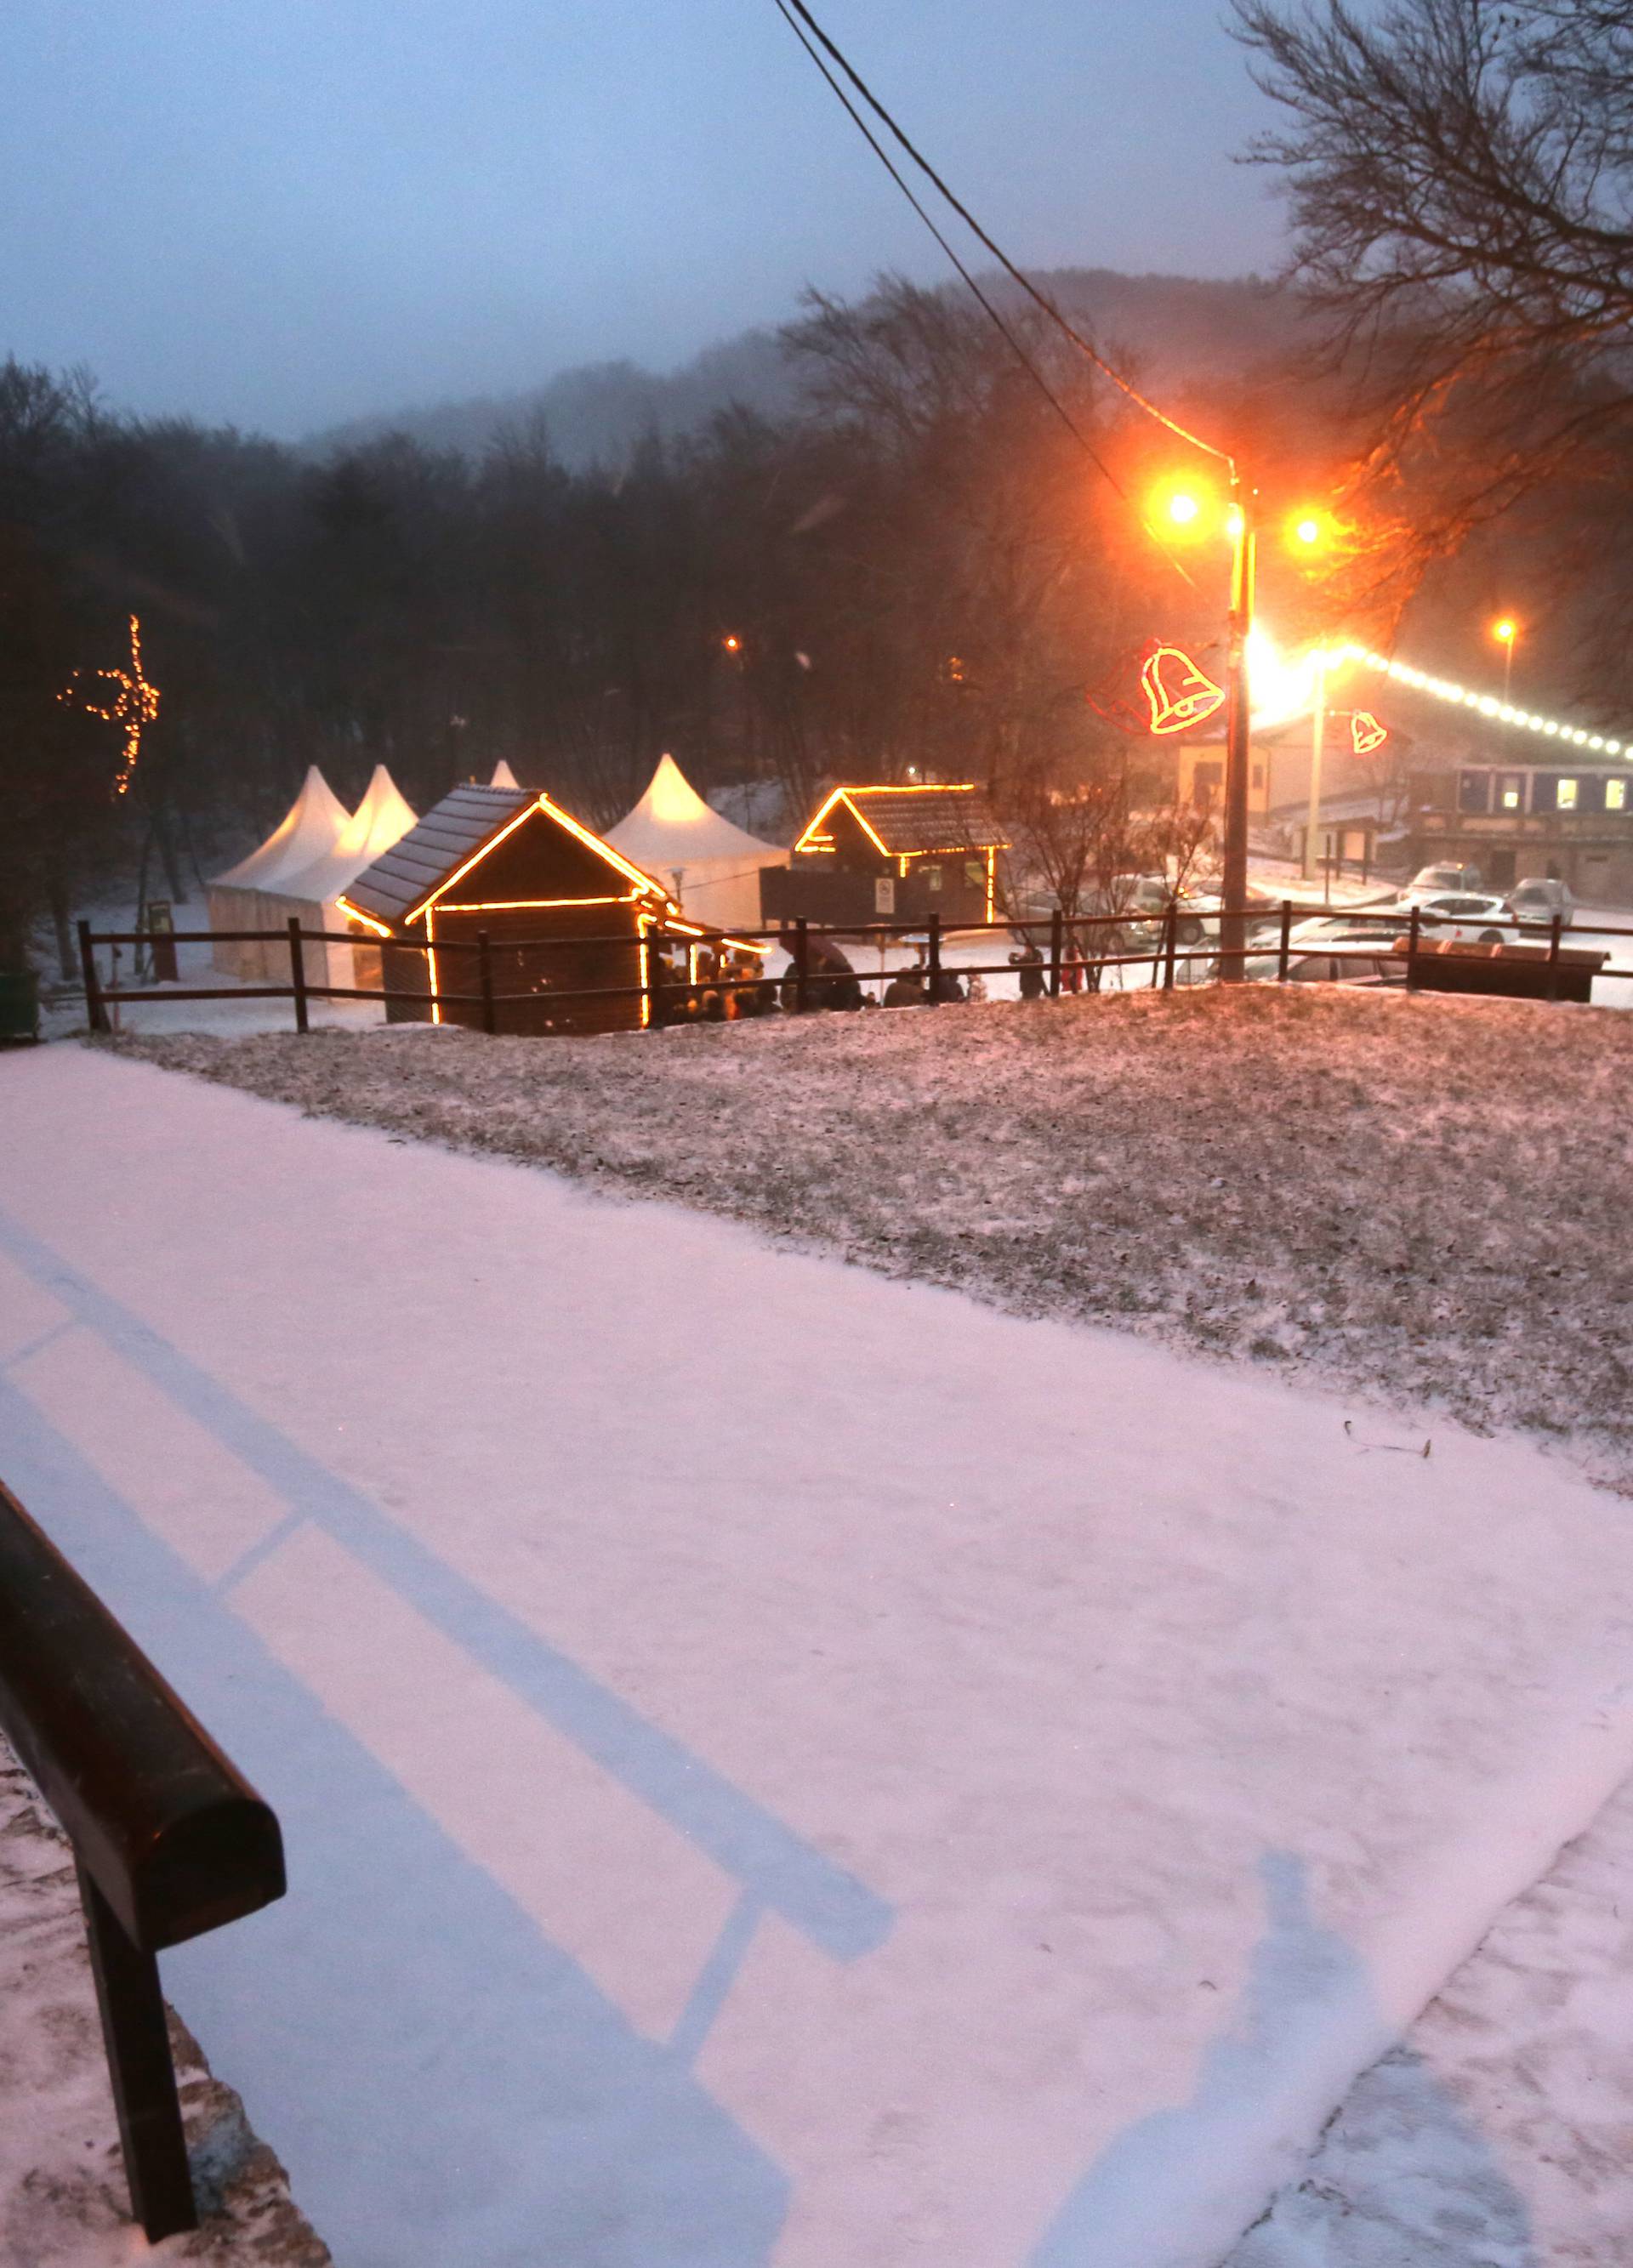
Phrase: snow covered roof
(908, 821)
(308, 830)
(382, 819)
(672, 825)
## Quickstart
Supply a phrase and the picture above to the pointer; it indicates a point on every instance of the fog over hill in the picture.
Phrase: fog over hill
(1172, 329)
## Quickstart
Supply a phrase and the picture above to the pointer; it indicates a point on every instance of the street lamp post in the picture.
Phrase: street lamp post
(1318, 736)
(1506, 633)
(1238, 751)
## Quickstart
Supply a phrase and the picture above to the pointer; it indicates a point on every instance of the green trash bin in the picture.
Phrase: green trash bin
(19, 1005)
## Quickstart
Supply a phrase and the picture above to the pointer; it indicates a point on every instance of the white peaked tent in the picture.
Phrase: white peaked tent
(239, 898)
(300, 870)
(503, 776)
(382, 819)
(713, 867)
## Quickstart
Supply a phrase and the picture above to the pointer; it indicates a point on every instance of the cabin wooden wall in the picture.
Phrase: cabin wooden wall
(572, 960)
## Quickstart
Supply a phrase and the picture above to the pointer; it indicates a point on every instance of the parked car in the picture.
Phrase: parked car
(1329, 950)
(1535, 902)
(1434, 881)
(1466, 918)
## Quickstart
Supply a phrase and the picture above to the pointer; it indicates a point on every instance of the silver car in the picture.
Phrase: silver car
(1535, 903)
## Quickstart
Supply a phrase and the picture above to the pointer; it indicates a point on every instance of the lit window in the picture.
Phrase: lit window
(1615, 795)
(1513, 794)
(1564, 795)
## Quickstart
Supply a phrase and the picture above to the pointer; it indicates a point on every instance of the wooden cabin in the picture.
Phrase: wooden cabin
(891, 854)
(564, 912)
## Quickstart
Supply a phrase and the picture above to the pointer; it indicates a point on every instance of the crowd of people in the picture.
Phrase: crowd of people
(718, 985)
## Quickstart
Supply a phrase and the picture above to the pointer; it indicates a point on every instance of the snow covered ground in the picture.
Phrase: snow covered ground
(780, 1766)
(1498, 2133)
(1423, 1197)
(64, 2202)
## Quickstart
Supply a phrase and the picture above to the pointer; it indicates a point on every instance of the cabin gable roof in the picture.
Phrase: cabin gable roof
(911, 822)
(459, 835)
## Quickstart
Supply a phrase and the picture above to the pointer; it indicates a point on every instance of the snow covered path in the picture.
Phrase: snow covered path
(780, 1766)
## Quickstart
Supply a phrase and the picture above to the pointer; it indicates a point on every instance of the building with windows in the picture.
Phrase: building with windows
(1573, 823)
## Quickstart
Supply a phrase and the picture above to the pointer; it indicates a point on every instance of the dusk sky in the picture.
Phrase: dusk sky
(290, 212)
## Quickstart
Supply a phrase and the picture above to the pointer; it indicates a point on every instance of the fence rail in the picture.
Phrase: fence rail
(1077, 954)
(169, 1839)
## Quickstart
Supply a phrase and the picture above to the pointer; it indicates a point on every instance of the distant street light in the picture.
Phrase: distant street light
(1506, 632)
(732, 644)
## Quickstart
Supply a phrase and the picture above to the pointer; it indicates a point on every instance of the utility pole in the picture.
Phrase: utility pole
(1238, 750)
(1318, 734)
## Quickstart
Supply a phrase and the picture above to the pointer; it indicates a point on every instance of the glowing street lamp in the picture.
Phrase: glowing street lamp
(1505, 631)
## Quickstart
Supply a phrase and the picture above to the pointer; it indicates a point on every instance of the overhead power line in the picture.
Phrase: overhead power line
(883, 156)
(1124, 385)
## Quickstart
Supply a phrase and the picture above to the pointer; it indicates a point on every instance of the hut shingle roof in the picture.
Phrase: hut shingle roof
(912, 820)
(430, 853)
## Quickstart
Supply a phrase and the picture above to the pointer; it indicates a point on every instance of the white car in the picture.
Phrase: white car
(1466, 919)
(1331, 949)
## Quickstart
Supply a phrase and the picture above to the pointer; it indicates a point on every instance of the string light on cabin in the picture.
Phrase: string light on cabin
(132, 703)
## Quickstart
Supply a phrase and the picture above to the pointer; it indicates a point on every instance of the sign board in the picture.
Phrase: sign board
(161, 929)
(884, 894)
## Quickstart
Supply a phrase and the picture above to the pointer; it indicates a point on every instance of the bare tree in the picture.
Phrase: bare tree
(1461, 183)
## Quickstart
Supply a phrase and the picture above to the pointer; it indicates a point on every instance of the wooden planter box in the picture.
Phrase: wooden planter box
(1521, 972)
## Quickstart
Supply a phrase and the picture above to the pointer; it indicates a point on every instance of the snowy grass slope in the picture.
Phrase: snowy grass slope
(1424, 1198)
(778, 1765)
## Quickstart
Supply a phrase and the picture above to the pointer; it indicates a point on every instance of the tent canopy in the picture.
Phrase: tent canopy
(672, 826)
(308, 830)
(382, 819)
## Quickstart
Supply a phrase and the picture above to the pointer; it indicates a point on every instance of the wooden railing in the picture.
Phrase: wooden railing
(1073, 952)
(169, 1840)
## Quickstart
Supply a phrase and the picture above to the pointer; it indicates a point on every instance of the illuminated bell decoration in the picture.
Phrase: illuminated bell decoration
(1179, 693)
(1365, 732)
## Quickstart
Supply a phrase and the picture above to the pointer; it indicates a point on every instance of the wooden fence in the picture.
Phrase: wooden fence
(1074, 952)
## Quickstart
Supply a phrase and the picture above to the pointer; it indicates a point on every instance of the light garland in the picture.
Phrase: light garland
(134, 703)
(1484, 704)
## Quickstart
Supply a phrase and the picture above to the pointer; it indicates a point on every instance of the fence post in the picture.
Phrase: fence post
(1287, 939)
(1412, 936)
(1171, 938)
(137, 2040)
(933, 962)
(96, 1012)
(801, 967)
(1057, 947)
(297, 973)
(484, 969)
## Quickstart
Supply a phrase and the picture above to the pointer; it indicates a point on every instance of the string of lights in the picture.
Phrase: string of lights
(132, 703)
(786, 12)
(1485, 704)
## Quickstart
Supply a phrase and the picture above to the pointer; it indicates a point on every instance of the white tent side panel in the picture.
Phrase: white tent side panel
(247, 896)
(723, 892)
